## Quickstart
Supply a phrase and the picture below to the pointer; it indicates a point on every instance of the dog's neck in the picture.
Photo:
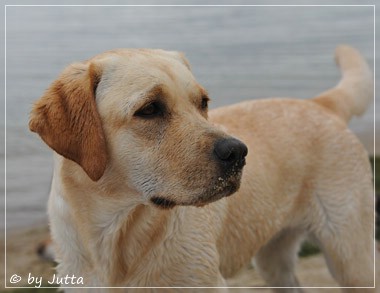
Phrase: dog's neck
(105, 230)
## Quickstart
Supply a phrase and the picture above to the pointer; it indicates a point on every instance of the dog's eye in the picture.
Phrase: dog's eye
(149, 111)
(204, 104)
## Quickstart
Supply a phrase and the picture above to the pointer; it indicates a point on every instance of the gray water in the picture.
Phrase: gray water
(237, 53)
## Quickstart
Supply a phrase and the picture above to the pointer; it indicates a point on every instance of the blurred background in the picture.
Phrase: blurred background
(236, 53)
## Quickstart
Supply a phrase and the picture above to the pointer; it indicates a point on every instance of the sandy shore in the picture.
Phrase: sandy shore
(23, 260)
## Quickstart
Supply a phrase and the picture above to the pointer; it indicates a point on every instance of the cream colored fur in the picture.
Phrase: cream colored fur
(305, 174)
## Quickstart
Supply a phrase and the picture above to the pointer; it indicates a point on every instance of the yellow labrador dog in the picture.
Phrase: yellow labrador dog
(149, 188)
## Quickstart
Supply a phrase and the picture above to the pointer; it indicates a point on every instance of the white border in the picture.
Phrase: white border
(374, 143)
(5, 145)
(186, 5)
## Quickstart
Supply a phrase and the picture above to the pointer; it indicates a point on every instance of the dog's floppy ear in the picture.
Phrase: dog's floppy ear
(67, 119)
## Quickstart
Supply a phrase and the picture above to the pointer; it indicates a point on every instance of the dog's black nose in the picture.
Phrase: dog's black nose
(230, 150)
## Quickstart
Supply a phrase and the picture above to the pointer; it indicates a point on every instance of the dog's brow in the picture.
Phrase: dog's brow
(148, 96)
(155, 91)
(142, 98)
(202, 94)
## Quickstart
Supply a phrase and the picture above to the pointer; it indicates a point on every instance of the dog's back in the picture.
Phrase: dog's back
(306, 174)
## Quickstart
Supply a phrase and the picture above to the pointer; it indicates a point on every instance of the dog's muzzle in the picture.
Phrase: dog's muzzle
(229, 154)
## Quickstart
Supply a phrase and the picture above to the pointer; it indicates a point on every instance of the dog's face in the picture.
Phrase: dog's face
(141, 116)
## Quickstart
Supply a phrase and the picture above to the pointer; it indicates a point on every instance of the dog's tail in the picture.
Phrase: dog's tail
(353, 94)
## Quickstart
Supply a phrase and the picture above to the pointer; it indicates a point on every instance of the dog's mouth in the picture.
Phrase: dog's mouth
(223, 187)
(162, 202)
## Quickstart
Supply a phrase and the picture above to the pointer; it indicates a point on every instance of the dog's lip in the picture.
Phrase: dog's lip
(224, 186)
(227, 190)
(163, 202)
(167, 204)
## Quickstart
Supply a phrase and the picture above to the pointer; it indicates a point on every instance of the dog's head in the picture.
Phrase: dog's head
(140, 117)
